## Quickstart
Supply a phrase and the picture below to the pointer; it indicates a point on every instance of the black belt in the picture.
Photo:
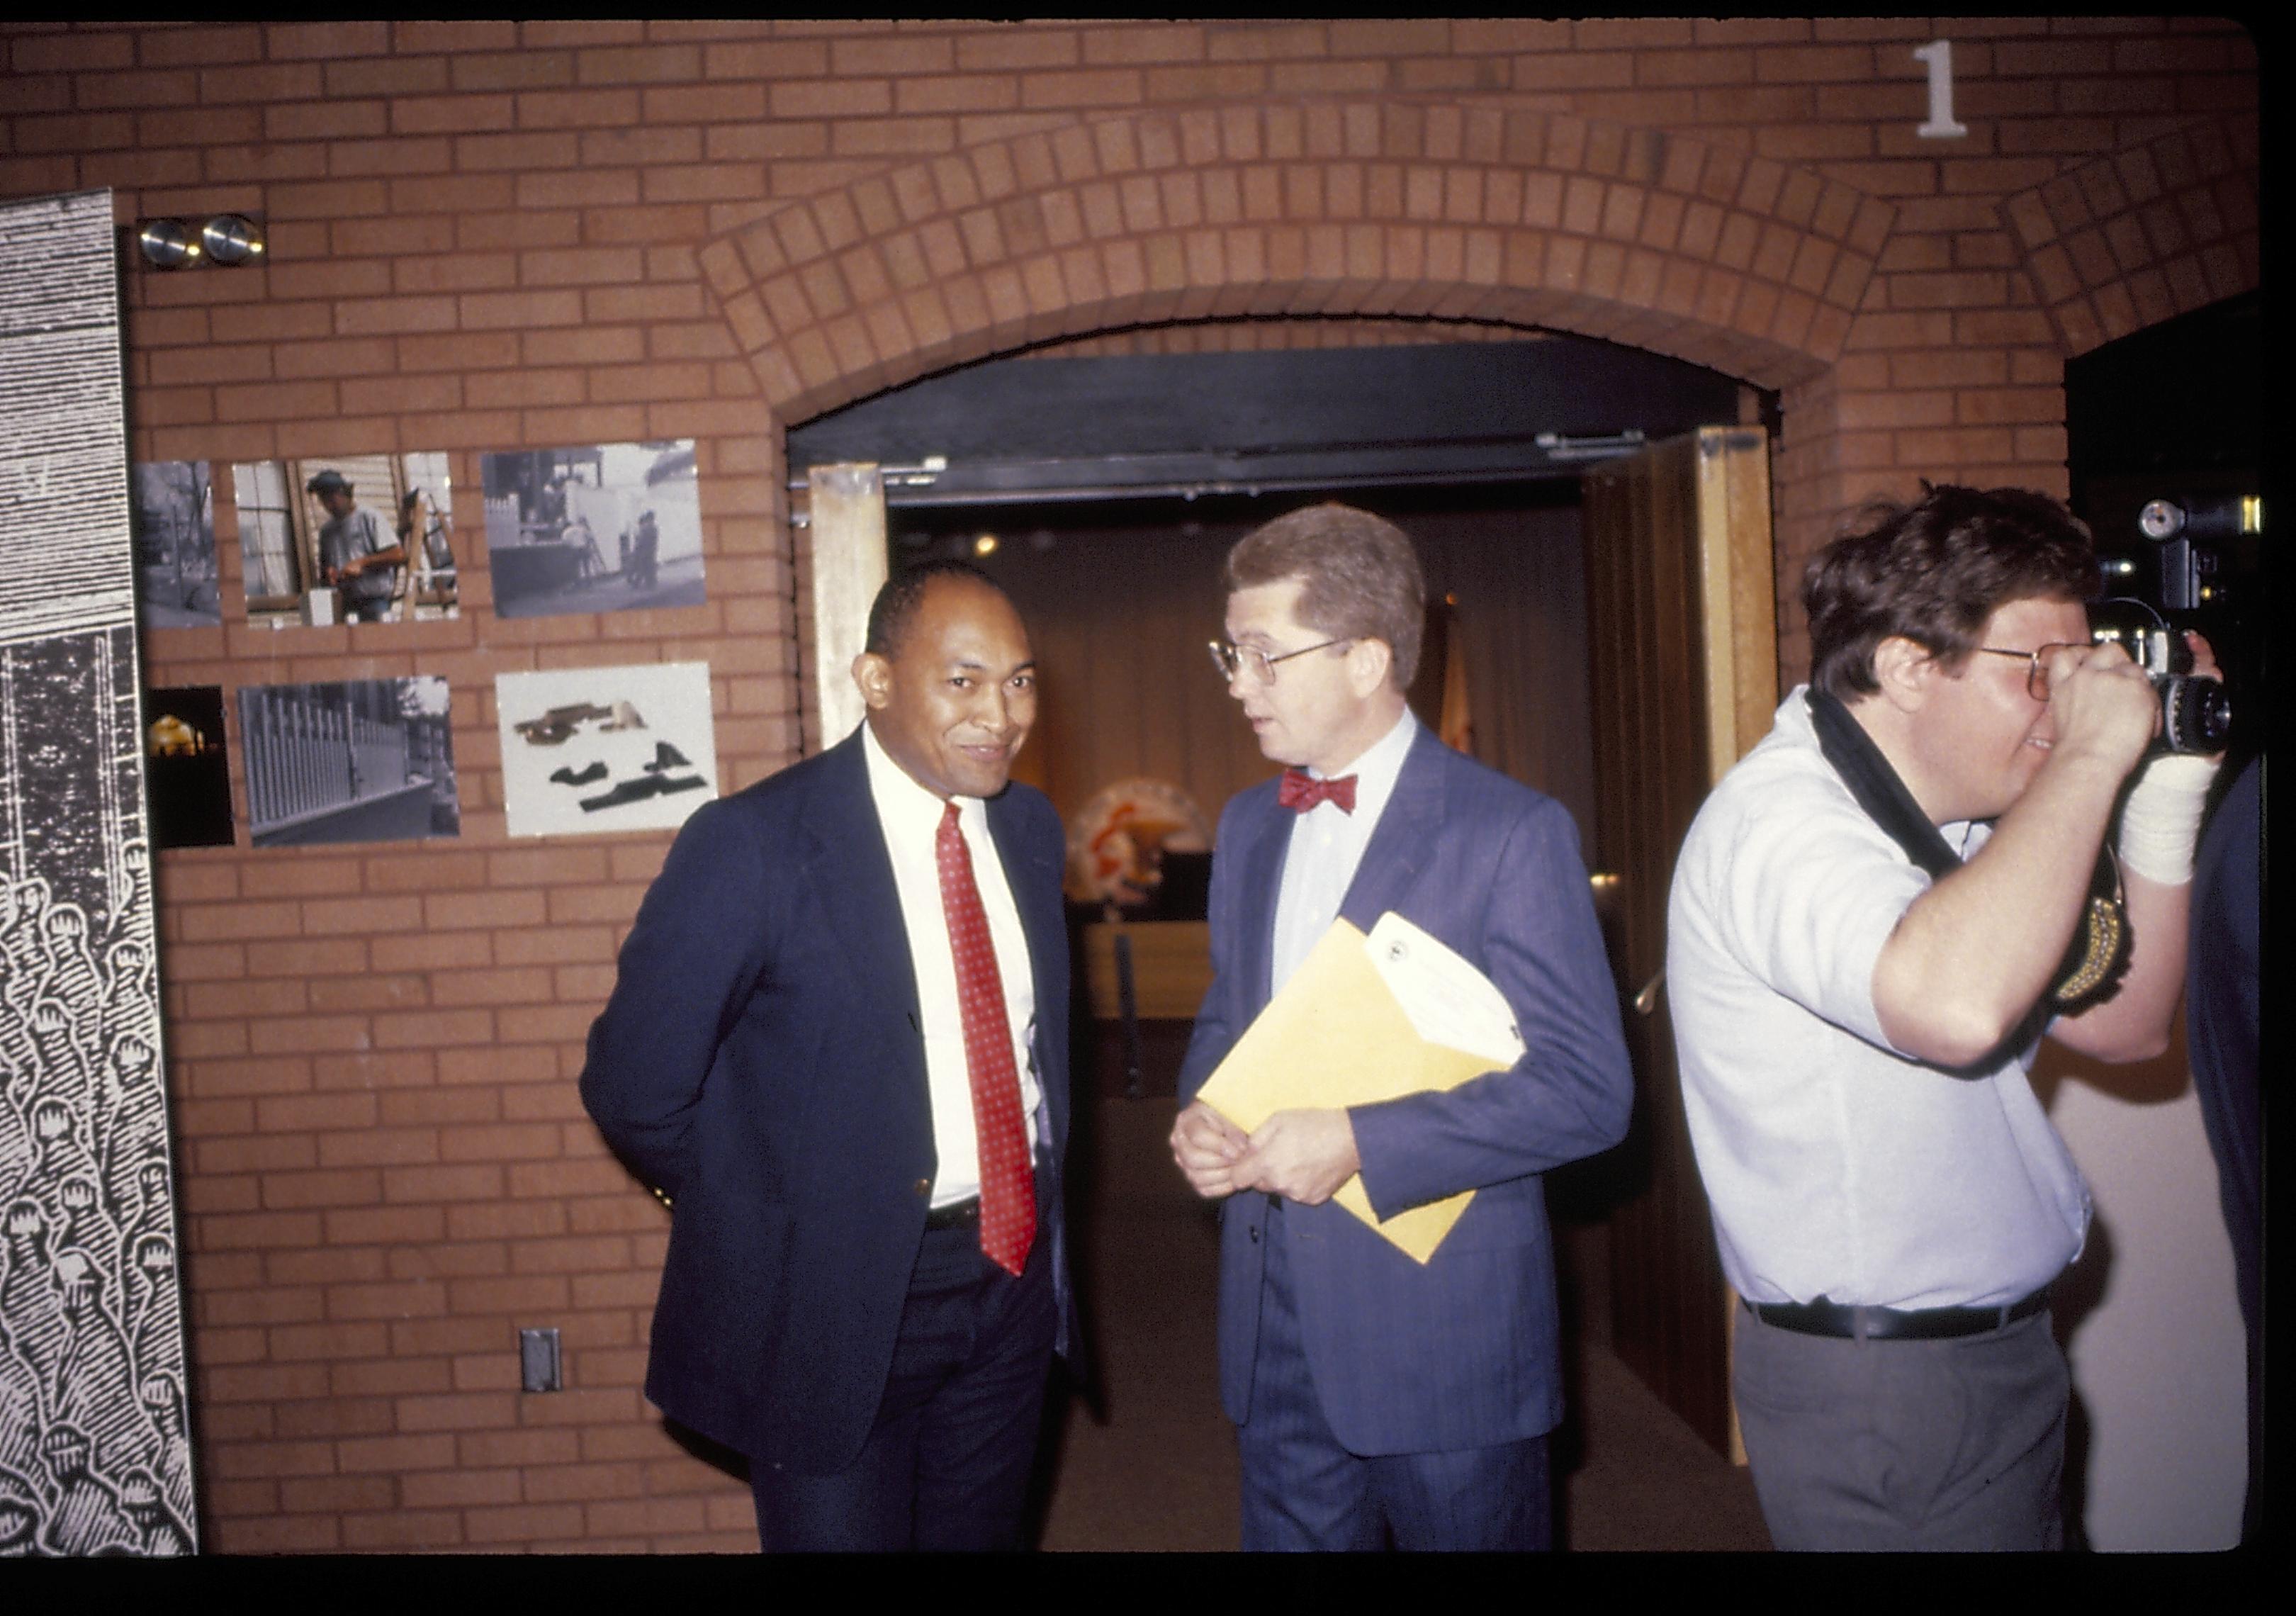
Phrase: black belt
(1824, 1317)
(965, 1214)
(955, 1215)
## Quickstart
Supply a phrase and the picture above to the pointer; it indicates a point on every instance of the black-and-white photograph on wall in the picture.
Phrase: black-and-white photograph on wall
(172, 504)
(350, 538)
(186, 768)
(605, 749)
(96, 1448)
(363, 761)
(613, 527)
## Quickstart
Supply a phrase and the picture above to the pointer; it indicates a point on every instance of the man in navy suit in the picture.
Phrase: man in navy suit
(838, 1047)
(1379, 1400)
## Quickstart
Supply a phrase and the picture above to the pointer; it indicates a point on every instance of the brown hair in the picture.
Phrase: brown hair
(1361, 576)
(1934, 572)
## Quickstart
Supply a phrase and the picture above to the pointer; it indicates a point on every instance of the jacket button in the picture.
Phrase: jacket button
(923, 1187)
(1255, 1236)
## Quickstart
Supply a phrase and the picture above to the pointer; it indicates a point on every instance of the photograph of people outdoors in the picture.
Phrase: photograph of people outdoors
(609, 528)
(354, 538)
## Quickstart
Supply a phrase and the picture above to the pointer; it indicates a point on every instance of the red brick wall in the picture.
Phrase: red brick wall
(496, 235)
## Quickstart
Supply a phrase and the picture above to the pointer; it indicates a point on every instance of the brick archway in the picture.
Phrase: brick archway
(2145, 234)
(1353, 208)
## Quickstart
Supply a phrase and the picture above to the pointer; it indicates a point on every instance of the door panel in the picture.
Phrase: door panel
(849, 563)
(1684, 651)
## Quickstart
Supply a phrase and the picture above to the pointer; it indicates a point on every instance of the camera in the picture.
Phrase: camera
(2195, 710)
(2196, 556)
(2195, 539)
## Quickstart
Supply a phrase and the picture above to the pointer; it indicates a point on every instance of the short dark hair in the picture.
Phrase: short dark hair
(1361, 577)
(898, 597)
(1933, 572)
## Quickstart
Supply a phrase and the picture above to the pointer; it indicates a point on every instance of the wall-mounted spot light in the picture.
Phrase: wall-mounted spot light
(231, 238)
(167, 243)
(227, 239)
(985, 544)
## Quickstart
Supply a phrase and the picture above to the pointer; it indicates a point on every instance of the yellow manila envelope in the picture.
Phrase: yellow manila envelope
(1365, 1019)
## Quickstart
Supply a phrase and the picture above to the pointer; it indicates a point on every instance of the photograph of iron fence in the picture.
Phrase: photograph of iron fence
(367, 760)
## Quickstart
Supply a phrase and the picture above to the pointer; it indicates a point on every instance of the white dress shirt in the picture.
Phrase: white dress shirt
(1327, 844)
(910, 816)
(1836, 1165)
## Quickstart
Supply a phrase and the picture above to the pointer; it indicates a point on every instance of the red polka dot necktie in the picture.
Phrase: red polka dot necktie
(1008, 1185)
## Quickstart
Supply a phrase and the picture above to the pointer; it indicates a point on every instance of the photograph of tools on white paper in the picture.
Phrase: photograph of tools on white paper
(605, 749)
(1366, 1018)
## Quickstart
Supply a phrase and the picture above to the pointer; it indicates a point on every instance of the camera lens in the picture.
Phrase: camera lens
(2195, 714)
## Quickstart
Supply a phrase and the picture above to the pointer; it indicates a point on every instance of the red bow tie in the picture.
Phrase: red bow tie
(1300, 793)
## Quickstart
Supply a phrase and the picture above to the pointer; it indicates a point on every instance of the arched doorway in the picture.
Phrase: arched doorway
(1429, 210)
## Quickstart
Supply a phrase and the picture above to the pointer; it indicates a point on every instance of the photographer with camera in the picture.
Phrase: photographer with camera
(1874, 917)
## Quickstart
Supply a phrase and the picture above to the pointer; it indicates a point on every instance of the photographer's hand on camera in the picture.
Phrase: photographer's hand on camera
(2159, 824)
(2203, 655)
(2161, 821)
(1975, 954)
(2102, 712)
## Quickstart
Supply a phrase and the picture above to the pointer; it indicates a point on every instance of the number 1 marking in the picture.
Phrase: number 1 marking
(1939, 54)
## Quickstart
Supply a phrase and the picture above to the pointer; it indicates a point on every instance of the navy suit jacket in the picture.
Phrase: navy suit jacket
(1462, 1352)
(761, 1062)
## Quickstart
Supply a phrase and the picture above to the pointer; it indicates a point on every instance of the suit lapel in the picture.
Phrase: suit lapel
(1034, 876)
(1404, 837)
(1263, 878)
(1034, 871)
(854, 875)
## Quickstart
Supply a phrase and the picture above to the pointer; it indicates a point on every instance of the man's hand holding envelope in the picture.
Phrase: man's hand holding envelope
(1364, 1019)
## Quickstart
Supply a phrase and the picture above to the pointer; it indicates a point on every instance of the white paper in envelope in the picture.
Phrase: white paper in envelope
(1449, 1002)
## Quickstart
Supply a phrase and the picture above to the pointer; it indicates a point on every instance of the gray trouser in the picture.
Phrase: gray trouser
(1896, 1445)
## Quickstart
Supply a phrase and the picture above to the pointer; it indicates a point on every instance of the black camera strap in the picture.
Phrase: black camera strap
(2099, 952)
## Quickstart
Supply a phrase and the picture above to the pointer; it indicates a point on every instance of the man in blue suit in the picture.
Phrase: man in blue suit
(1379, 1400)
(838, 1047)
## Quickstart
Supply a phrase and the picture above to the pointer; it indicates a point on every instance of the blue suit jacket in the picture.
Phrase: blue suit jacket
(761, 1062)
(1460, 1352)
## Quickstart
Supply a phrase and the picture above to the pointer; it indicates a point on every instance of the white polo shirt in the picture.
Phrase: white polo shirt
(910, 816)
(1835, 1165)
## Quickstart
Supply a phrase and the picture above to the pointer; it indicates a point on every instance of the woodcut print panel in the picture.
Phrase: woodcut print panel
(94, 1451)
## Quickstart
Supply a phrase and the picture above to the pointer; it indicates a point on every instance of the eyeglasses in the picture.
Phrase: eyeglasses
(2037, 665)
(1231, 659)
